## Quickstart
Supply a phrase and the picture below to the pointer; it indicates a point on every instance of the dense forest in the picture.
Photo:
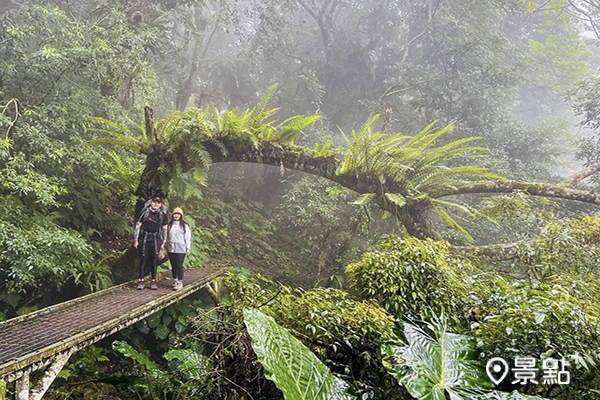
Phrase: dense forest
(400, 191)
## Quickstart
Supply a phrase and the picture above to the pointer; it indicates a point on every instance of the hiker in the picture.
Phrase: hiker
(149, 236)
(179, 237)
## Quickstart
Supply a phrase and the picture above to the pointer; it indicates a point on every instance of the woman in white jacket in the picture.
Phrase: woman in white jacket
(179, 238)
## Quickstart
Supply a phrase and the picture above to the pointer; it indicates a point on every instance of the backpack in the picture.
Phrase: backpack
(145, 213)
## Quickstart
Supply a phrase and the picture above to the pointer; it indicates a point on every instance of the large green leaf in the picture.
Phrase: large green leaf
(296, 371)
(434, 364)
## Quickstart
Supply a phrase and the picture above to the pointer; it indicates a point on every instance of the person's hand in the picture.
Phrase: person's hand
(187, 253)
(135, 244)
(162, 246)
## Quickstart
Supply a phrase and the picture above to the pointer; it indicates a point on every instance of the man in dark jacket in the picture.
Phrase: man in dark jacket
(149, 236)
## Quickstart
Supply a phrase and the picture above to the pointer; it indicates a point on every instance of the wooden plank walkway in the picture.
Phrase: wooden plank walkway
(33, 340)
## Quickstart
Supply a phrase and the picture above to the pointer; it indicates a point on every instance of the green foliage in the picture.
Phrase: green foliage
(510, 218)
(20, 178)
(165, 328)
(190, 363)
(130, 136)
(297, 372)
(150, 366)
(55, 54)
(433, 363)
(183, 376)
(88, 360)
(96, 275)
(37, 256)
(234, 374)
(62, 66)
(179, 141)
(436, 364)
(315, 221)
(19, 175)
(407, 170)
(344, 333)
(562, 52)
(535, 318)
(332, 317)
(410, 277)
(572, 245)
(532, 153)
(36, 251)
(323, 150)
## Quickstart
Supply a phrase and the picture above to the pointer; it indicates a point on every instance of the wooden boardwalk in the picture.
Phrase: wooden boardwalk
(33, 340)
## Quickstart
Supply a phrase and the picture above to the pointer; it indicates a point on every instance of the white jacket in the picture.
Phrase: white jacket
(177, 241)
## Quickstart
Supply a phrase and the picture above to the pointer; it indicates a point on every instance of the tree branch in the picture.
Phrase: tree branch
(577, 177)
(532, 188)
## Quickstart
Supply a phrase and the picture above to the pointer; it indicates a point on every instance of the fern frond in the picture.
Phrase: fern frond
(447, 218)
(286, 132)
(260, 112)
(322, 150)
(115, 127)
(222, 148)
(425, 137)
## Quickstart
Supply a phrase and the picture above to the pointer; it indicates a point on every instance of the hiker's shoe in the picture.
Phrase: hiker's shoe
(153, 285)
(140, 285)
(175, 282)
(178, 286)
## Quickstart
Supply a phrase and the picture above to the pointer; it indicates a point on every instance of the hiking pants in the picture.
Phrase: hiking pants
(176, 260)
(148, 263)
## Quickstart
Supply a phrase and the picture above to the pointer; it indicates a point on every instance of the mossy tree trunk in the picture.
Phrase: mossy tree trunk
(419, 218)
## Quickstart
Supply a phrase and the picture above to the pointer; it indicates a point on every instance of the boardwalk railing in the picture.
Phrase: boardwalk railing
(49, 336)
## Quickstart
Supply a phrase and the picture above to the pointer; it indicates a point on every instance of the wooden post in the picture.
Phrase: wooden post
(22, 387)
(212, 292)
(51, 373)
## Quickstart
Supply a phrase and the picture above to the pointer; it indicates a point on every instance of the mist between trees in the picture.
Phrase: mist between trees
(343, 150)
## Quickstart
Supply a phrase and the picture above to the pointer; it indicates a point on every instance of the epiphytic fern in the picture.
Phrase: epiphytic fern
(406, 170)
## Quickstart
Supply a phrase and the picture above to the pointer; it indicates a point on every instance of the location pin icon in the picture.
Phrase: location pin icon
(496, 367)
